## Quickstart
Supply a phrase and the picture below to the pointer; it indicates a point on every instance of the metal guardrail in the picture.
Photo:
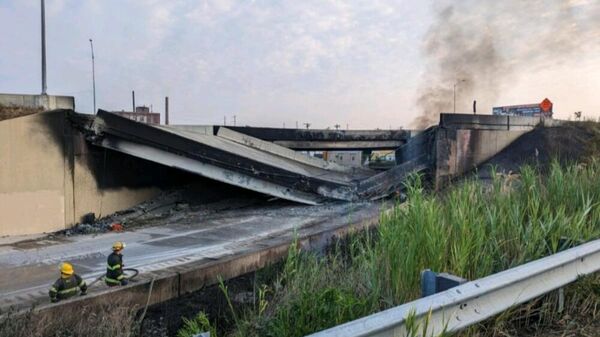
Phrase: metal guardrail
(474, 301)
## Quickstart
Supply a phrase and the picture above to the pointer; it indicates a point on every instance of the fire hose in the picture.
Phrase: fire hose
(129, 273)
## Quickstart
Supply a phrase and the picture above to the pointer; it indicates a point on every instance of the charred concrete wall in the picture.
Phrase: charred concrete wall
(461, 150)
(33, 172)
(50, 177)
(465, 141)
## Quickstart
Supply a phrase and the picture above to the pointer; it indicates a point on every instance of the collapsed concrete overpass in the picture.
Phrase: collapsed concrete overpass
(232, 157)
(58, 166)
(197, 251)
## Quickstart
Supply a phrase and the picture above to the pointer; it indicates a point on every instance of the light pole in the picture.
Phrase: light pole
(93, 74)
(454, 92)
(44, 86)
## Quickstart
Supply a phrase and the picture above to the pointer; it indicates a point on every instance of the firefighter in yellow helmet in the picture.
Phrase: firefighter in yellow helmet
(68, 285)
(114, 269)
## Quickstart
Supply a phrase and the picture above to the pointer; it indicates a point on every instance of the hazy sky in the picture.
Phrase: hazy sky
(272, 62)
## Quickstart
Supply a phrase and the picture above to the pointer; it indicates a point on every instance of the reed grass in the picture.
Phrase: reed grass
(473, 229)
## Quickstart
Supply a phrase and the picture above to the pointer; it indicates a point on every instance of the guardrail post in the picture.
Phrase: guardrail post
(427, 283)
(432, 283)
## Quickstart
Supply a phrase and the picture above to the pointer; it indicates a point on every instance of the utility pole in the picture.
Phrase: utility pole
(133, 99)
(44, 86)
(93, 74)
(234, 120)
(224, 120)
(167, 110)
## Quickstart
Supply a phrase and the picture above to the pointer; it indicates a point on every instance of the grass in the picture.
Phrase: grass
(107, 318)
(472, 230)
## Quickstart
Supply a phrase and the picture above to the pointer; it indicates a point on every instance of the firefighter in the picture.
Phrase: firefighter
(68, 285)
(114, 268)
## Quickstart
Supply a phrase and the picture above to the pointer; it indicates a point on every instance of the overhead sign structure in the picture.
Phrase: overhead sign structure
(543, 109)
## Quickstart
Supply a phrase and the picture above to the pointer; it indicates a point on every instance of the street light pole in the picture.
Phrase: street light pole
(93, 74)
(44, 86)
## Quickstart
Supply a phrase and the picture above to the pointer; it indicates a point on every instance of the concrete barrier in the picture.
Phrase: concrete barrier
(48, 102)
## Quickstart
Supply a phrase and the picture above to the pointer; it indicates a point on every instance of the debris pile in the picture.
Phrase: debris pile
(168, 207)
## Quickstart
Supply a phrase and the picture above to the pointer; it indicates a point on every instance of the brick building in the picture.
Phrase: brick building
(141, 114)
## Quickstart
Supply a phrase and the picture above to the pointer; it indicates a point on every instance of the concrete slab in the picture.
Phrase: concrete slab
(227, 176)
(286, 163)
(225, 160)
(280, 150)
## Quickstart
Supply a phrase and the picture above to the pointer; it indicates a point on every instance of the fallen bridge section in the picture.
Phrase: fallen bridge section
(242, 160)
(267, 169)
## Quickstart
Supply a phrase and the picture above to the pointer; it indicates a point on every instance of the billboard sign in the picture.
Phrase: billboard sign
(531, 110)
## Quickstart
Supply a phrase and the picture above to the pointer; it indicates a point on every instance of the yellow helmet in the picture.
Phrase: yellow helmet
(66, 268)
(118, 245)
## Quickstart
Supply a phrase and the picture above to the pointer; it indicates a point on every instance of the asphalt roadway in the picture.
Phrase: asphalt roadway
(30, 267)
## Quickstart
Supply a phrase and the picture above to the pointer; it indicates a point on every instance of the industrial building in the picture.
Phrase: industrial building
(141, 114)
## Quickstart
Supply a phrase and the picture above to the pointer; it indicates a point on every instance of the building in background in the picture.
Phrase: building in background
(142, 114)
(543, 109)
(347, 158)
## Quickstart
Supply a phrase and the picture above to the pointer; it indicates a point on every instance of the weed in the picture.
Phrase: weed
(473, 230)
(199, 324)
(107, 318)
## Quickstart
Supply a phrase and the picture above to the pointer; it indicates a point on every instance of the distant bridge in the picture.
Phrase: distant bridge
(322, 140)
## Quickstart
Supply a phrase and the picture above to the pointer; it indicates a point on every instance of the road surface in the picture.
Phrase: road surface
(30, 267)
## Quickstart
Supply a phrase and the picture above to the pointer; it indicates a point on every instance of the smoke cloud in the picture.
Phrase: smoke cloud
(480, 48)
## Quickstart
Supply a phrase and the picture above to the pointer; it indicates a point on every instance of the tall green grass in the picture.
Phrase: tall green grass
(472, 229)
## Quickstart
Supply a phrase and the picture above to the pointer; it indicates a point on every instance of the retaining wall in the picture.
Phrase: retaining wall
(50, 176)
(465, 141)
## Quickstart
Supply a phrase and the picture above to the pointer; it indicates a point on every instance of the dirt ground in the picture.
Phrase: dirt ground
(165, 319)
